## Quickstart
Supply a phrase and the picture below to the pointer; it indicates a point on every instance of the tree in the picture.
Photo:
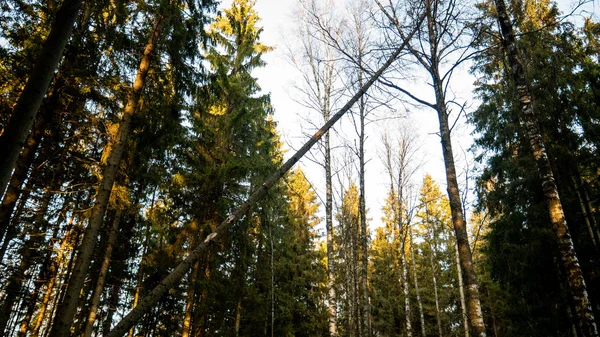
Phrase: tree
(443, 40)
(320, 74)
(540, 118)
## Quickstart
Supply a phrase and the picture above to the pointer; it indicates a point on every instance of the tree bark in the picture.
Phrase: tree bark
(362, 211)
(586, 215)
(432, 257)
(463, 303)
(405, 287)
(568, 257)
(63, 321)
(21, 120)
(332, 311)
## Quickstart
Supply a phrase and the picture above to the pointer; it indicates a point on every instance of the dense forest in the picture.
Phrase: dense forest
(146, 190)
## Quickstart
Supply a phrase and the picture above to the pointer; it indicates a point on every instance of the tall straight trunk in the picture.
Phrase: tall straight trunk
(590, 210)
(348, 248)
(355, 264)
(179, 271)
(28, 104)
(463, 303)
(99, 288)
(63, 320)
(405, 287)
(432, 257)
(272, 284)
(332, 310)
(362, 210)
(477, 324)
(414, 269)
(460, 229)
(568, 257)
(589, 220)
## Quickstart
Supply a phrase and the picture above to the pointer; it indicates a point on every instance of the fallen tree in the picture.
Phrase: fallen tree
(180, 270)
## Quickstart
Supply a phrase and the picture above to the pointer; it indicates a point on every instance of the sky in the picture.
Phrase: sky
(278, 78)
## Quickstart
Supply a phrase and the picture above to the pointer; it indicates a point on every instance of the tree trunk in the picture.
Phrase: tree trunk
(63, 321)
(329, 228)
(586, 215)
(21, 120)
(432, 257)
(95, 301)
(463, 304)
(458, 219)
(568, 256)
(362, 210)
(414, 268)
(405, 287)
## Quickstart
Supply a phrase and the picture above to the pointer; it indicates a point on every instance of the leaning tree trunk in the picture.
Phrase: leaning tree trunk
(568, 257)
(179, 271)
(21, 120)
(67, 308)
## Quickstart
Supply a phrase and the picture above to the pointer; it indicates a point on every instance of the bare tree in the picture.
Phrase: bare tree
(401, 162)
(439, 48)
(317, 64)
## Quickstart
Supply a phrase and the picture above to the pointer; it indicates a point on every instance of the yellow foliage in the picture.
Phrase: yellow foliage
(217, 110)
(178, 179)
(119, 197)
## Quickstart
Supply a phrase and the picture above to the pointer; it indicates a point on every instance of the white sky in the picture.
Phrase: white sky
(278, 76)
